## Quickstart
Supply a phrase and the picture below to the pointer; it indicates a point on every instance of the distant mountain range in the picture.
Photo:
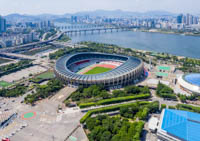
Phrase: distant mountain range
(120, 13)
(102, 13)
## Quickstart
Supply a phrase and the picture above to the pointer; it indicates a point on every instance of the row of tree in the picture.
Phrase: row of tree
(184, 98)
(44, 91)
(139, 111)
(165, 92)
(190, 65)
(189, 108)
(96, 93)
(4, 70)
(13, 92)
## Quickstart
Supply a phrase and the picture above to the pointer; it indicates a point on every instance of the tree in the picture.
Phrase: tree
(154, 107)
(143, 113)
(145, 90)
(163, 106)
(132, 90)
(91, 123)
(106, 136)
(129, 112)
(104, 94)
(118, 93)
(171, 107)
(183, 98)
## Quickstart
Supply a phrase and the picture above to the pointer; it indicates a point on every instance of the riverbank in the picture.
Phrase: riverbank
(169, 32)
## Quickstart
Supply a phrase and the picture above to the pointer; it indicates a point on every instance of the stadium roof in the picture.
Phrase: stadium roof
(130, 64)
(192, 78)
(181, 124)
(164, 68)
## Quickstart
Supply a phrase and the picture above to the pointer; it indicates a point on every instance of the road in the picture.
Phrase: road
(63, 94)
(58, 35)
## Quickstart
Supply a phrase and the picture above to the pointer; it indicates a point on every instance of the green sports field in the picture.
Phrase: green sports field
(4, 84)
(28, 115)
(98, 70)
(46, 75)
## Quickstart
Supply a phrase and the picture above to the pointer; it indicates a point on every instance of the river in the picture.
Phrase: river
(188, 46)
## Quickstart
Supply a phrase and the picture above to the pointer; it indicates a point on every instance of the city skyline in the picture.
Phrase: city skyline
(62, 6)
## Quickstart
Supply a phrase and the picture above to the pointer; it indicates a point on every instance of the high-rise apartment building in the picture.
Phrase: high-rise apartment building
(2, 24)
(179, 18)
(187, 19)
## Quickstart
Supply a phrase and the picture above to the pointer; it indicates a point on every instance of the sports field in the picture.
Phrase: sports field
(28, 115)
(46, 75)
(98, 70)
(4, 84)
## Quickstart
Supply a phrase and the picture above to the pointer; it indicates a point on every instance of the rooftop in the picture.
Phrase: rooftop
(153, 123)
(181, 124)
(192, 78)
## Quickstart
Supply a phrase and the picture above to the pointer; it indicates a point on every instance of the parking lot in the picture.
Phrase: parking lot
(47, 124)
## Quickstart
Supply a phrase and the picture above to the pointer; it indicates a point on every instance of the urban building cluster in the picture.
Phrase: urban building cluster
(158, 22)
(19, 39)
(13, 34)
(187, 19)
(42, 25)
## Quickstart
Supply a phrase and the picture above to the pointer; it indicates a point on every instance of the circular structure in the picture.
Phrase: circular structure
(91, 68)
(190, 82)
(28, 115)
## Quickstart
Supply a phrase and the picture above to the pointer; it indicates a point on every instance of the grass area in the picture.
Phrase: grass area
(43, 76)
(3, 60)
(98, 70)
(4, 84)
(46, 75)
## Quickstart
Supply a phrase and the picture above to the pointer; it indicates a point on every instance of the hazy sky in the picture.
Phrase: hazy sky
(71, 6)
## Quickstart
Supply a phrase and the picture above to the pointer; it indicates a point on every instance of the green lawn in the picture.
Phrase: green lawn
(98, 70)
(46, 75)
(4, 84)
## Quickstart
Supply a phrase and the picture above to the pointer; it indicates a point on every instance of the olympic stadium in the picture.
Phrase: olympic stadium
(92, 68)
(190, 83)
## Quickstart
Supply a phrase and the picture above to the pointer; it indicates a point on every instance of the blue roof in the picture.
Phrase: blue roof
(182, 124)
(193, 78)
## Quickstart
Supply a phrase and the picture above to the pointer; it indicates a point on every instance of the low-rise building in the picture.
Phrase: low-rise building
(177, 125)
